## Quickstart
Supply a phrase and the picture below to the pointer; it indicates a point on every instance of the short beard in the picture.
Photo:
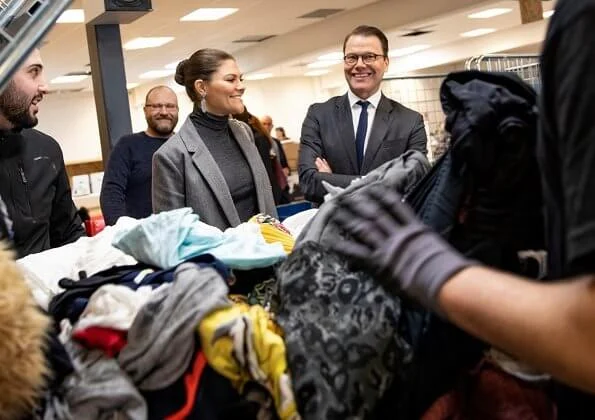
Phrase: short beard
(14, 106)
(161, 130)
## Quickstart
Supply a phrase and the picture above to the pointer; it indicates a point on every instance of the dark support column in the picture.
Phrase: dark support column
(531, 10)
(109, 84)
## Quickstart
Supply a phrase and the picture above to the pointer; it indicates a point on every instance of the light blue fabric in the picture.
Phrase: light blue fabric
(172, 237)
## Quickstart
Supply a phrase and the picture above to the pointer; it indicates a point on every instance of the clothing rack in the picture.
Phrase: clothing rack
(23, 24)
(422, 93)
(526, 66)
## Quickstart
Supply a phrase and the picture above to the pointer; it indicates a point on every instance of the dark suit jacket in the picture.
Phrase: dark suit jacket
(328, 132)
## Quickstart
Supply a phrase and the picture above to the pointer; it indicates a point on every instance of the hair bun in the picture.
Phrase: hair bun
(181, 72)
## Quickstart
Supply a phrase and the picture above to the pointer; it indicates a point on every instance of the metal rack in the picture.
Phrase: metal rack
(422, 93)
(23, 24)
(526, 66)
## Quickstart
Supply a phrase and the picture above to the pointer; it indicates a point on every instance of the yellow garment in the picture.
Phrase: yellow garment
(273, 231)
(239, 344)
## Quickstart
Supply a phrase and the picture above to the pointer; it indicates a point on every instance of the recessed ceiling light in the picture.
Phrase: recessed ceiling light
(69, 79)
(72, 16)
(317, 72)
(400, 52)
(131, 85)
(320, 64)
(489, 13)
(548, 14)
(333, 56)
(258, 76)
(147, 42)
(156, 74)
(478, 32)
(173, 65)
(208, 14)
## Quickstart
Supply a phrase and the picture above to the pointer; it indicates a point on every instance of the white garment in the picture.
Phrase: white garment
(356, 110)
(42, 271)
(298, 221)
(114, 306)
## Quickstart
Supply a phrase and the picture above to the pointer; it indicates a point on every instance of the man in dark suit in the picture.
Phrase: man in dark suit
(350, 135)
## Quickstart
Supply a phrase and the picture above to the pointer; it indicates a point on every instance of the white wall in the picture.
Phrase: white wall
(286, 100)
(72, 120)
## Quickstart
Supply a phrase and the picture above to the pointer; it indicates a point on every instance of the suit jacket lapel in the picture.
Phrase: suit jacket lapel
(379, 129)
(259, 175)
(206, 165)
(346, 135)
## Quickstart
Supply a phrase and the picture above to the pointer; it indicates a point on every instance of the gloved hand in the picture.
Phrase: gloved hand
(389, 240)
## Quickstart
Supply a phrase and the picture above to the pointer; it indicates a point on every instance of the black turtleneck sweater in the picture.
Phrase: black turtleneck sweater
(217, 136)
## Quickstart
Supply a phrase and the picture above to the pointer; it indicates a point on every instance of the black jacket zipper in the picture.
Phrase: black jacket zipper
(26, 185)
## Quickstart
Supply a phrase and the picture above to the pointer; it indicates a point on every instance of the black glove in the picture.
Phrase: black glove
(390, 241)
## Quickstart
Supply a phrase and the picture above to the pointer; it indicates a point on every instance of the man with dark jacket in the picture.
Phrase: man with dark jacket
(126, 189)
(33, 181)
(549, 325)
(350, 135)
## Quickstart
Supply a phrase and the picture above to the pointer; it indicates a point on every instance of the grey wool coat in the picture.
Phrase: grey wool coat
(186, 175)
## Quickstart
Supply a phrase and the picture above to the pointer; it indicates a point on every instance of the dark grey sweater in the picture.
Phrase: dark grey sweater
(217, 136)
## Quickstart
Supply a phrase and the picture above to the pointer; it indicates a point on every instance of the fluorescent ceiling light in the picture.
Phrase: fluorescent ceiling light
(321, 64)
(131, 85)
(147, 42)
(400, 52)
(548, 14)
(208, 14)
(490, 13)
(173, 65)
(317, 72)
(156, 74)
(69, 79)
(258, 76)
(333, 56)
(478, 32)
(72, 16)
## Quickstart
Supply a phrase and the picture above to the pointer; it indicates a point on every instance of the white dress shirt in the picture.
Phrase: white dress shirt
(357, 109)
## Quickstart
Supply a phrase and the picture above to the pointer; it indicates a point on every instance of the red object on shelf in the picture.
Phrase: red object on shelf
(94, 225)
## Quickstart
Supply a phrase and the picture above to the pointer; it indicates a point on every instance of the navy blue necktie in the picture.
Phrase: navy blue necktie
(360, 134)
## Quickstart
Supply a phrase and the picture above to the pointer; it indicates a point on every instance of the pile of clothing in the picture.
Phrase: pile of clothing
(158, 331)
(170, 318)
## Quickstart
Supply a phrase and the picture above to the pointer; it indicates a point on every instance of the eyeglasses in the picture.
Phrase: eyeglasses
(157, 107)
(368, 58)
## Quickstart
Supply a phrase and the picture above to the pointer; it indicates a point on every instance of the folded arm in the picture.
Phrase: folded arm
(311, 149)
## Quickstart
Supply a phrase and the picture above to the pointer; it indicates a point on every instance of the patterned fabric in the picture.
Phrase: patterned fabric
(343, 348)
